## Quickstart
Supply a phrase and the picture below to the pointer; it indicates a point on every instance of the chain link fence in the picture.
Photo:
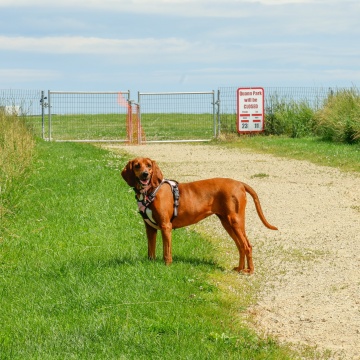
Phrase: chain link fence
(162, 116)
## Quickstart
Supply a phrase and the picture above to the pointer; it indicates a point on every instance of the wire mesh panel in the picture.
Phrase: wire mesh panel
(314, 97)
(88, 116)
(25, 103)
(178, 116)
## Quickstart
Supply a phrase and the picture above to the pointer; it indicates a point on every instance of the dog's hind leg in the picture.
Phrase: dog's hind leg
(235, 227)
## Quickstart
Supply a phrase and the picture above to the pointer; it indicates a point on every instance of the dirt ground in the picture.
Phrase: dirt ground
(310, 268)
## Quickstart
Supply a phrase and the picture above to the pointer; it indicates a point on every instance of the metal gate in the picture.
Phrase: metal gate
(178, 116)
(87, 116)
(112, 116)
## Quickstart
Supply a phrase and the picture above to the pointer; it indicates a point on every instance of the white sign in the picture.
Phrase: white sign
(250, 110)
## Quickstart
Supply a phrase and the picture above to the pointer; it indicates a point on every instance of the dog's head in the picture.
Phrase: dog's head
(142, 173)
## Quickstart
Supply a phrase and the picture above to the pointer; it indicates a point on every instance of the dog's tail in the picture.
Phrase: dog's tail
(255, 197)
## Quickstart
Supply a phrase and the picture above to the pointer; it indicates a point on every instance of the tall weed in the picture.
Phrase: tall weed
(289, 118)
(16, 152)
(339, 119)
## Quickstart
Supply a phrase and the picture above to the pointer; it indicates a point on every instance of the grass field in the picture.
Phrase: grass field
(81, 126)
(156, 127)
(343, 156)
(74, 278)
(75, 282)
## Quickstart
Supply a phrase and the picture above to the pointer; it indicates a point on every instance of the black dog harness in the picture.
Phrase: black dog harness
(144, 201)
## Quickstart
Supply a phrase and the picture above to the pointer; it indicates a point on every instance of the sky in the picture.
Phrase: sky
(178, 45)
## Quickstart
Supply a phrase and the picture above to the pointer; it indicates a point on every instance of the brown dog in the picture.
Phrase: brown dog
(164, 210)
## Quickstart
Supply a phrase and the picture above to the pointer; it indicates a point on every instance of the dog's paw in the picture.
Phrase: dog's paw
(243, 270)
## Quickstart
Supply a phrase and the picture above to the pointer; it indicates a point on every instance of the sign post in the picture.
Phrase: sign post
(250, 110)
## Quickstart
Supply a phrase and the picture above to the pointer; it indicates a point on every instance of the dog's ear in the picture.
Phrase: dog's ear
(157, 175)
(128, 174)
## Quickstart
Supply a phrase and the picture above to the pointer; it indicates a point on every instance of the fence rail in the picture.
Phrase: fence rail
(161, 116)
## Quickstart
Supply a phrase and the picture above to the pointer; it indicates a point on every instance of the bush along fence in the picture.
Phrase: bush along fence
(332, 113)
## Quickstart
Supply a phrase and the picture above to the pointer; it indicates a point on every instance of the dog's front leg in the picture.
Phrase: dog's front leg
(151, 236)
(166, 238)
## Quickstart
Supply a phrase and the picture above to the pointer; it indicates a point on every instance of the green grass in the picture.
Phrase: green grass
(75, 282)
(81, 126)
(178, 126)
(345, 157)
(156, 127)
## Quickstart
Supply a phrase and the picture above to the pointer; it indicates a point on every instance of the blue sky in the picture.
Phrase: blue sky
(178, 45)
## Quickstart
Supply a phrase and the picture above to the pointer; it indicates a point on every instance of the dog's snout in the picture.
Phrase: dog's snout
(144, 175)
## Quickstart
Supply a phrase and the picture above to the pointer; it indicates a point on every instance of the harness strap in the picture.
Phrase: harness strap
(176, 193)
(144, 202)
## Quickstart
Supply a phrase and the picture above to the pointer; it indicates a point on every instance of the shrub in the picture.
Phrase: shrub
(291, 118)
(339, 119)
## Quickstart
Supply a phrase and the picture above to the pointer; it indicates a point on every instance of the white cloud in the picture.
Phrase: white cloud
(259, 76)
(295, 17)
(93, 45)
(181, 51)
(13, 75)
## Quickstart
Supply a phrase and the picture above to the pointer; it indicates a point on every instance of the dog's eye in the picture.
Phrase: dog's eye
(149, 166)
(137, 166)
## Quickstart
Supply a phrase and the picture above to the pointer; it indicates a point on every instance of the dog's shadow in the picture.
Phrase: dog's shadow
(195, 261)
(178, 259)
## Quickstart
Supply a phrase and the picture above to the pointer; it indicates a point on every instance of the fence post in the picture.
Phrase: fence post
(129, 124)
(218, 112)
(49, 105)
(139, 132)
(42, 115)
(139, 119)
(214, 112)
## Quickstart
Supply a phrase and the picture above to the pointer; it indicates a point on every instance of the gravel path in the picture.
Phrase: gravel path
(310, 268)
